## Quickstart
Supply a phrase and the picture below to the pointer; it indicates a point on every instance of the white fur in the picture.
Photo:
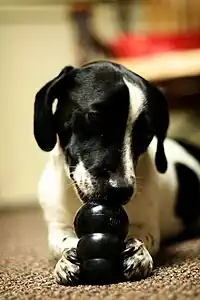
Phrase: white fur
(136, 100)
(84, 179)
(140, 264)
(59, 201)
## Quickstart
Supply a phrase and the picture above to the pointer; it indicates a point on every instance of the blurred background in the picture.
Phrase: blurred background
(159, 39)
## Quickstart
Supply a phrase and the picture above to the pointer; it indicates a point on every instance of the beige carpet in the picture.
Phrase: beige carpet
(26, 272)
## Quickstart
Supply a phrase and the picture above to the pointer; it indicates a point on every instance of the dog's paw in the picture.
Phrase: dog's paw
(138, 263)
(67, 269)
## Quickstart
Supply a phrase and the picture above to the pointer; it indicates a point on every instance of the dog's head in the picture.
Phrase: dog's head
(105, 118)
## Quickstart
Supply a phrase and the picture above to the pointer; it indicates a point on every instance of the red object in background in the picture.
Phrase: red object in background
(132, 45)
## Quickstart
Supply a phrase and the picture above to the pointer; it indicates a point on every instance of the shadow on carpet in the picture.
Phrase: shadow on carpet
(26, 271)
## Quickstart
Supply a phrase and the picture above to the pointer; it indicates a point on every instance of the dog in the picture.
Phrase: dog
(107, 140)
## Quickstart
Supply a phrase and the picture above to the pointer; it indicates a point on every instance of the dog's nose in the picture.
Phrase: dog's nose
(119, 191)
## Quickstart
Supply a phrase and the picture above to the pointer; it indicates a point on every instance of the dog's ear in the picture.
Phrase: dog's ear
(157, 110)
(44, 127)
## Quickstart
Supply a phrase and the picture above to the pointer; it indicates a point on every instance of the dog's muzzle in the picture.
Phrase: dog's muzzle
(115, 190)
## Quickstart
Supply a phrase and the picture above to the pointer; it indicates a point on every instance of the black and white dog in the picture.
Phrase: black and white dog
(107, 137)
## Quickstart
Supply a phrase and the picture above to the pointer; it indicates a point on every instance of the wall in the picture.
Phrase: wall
(35, 43)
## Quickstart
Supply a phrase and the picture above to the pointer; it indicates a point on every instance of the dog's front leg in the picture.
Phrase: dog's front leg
(141, 245)
(143, 240)
(59, 203)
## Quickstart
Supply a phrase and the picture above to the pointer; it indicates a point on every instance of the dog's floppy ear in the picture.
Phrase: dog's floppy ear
(44, 128)
(157, 110)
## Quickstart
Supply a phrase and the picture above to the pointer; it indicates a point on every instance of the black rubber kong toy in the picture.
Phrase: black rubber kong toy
(101, 231)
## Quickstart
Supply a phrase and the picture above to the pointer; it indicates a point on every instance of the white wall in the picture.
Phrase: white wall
(35, 43)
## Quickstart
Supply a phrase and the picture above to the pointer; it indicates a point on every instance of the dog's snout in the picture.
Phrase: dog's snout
(119, 191)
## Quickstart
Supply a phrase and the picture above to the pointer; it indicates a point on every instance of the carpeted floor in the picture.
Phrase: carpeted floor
(26, 272)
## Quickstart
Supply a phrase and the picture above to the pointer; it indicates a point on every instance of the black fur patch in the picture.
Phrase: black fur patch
(188, 197)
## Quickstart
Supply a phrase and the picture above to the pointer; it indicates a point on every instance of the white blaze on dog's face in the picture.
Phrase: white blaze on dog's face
(136, 102)
(103, 128)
